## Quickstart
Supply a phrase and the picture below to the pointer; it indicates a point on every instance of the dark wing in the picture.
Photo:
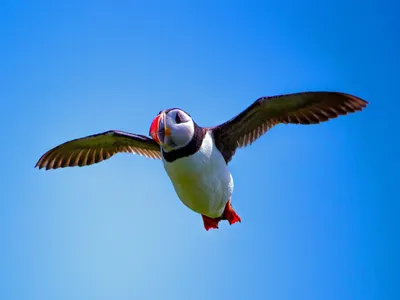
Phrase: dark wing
(96, 148)
(266, 112)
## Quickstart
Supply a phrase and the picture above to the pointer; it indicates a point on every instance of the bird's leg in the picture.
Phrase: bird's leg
(230, 215)
(210, 222)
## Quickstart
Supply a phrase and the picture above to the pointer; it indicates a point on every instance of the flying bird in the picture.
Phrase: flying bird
(196, 158)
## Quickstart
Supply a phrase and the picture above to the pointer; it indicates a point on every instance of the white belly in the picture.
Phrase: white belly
(202, 180)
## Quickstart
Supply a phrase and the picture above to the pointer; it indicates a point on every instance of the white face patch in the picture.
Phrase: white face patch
(181, 127)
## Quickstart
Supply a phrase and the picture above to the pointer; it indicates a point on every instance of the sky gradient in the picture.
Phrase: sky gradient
(319, 204)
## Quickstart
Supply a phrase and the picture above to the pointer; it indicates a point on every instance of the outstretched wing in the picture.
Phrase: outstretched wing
(96, 148)
(266, 112)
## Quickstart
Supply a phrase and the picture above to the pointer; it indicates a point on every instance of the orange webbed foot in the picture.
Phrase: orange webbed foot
(210, 222)
(230, 215)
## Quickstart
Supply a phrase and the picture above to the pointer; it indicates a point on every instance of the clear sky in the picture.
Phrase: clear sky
(319, 205)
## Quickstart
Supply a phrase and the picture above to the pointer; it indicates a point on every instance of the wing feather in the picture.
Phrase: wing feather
(96, 148)
(266, 112)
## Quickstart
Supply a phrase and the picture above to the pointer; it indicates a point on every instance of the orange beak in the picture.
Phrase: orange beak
(156, 131)
(154, 128)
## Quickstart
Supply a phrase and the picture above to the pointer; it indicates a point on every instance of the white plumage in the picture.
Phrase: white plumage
(202, 181)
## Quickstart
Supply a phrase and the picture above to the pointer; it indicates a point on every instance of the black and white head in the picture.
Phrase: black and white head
(172, 129)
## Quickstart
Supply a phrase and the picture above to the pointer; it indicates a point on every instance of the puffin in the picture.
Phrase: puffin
(196, 158)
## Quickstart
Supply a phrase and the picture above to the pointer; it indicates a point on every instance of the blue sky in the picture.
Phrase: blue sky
(319, 205)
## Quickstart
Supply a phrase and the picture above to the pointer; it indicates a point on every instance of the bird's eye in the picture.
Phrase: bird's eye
(178, 118)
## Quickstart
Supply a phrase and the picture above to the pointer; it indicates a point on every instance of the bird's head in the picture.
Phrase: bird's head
(172, 129)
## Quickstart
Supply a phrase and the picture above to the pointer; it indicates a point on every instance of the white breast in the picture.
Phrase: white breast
(202, 180)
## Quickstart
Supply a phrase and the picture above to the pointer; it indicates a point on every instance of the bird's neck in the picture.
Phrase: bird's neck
(191, 148)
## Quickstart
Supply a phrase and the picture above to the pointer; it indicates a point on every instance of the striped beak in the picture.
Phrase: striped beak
(159, 130)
